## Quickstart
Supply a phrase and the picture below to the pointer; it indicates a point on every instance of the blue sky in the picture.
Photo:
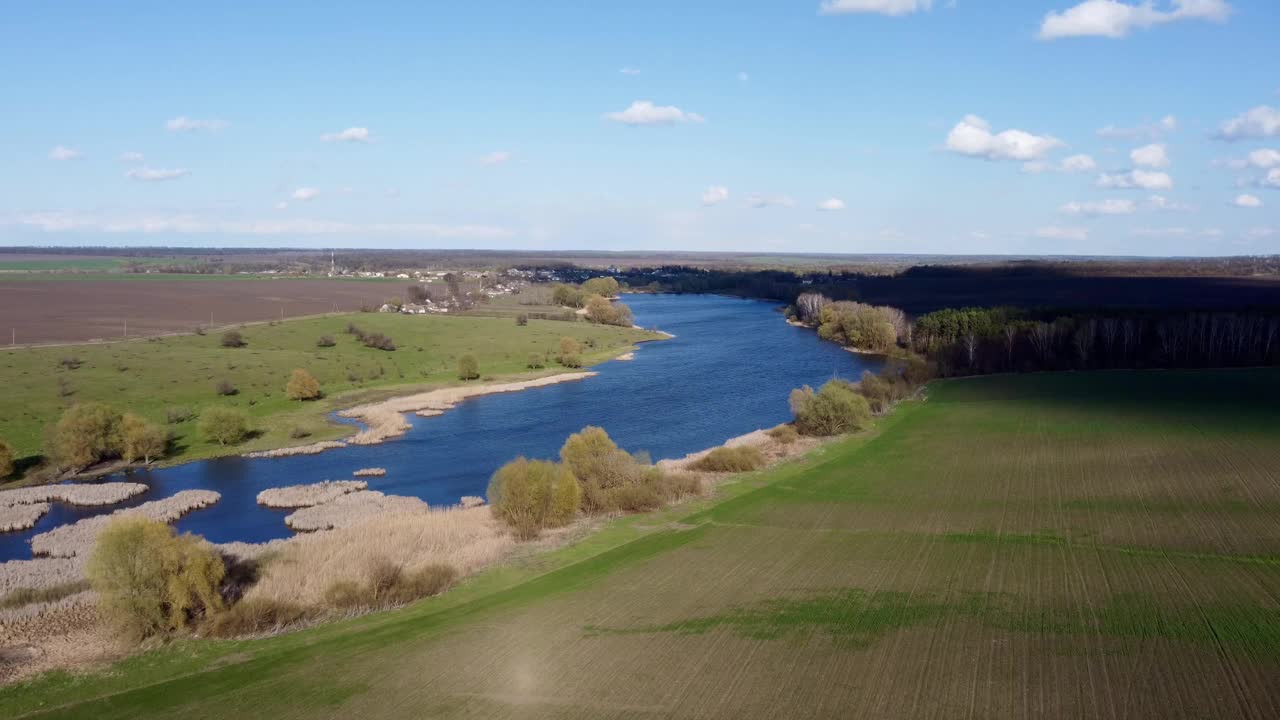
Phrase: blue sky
(974, 126)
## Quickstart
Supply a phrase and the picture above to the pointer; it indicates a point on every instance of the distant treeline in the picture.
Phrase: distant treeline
(984, 340)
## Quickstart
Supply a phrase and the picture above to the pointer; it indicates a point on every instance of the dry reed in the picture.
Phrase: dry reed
(73, 494)
(298, 496)
(311, 449)
(351, 509)
(78, 538)
(370, 472)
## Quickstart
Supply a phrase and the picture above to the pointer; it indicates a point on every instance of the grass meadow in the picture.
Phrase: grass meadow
(1079, 545)
(152, 376)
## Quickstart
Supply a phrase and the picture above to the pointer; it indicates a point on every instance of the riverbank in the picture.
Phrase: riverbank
(170, 380)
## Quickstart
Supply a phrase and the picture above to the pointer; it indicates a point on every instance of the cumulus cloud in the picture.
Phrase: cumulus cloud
(756, 200)
(644, 112)
(62, 153)
(1260, 122)
(972, 136)
(1272, 179)
(198, 225)
(1155, 155)
(1140, 179)
(1071, 165)
(877, 7)
(831, 204)
(1101, 207)
(1115, 19)
(497, 157)
(305, 194)
(1247, 201)
(131, 157)
(182, 123)
(1156, 130)
(715, 195)
(1054, 232)
(1265, 158)
(1160, 202)
(148, 174)
(351, 134)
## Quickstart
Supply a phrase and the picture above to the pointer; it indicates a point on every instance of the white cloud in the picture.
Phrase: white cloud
(831, 204)
(972, 136)
(1114, 19)
(1265, 158)
(757, 200)
(182, 123)
(62, 153)
(282, 205)
(1160, 202)
(1155, 130)
(629, 71)
(1155, 155)
(1247, 201)
(497, 157)
(305, 194)
(1143, 179)
(644, 112)
(715, 195)
(147, 174)
(1062, 233)
(1071, 165)
(1101, 207)
(1273, 178)
(131, 157)
(197, 225)
(1260, 122)
(351, 134)
(878, 7)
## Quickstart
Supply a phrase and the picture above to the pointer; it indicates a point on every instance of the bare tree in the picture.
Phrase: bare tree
(809, 306)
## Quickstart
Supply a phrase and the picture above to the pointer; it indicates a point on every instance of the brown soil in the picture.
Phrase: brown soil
(57, 311)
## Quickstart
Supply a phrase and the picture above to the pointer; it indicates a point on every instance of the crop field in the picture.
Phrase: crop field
(1079, 545)
(152, 377)
(58, 308)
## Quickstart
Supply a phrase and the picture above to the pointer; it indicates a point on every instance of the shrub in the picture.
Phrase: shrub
(535, 362)
(233, 339)
(325, 341)
(571, 361)
(531, 495)
(225, 388)
(833, 410)
(609, 476)
(387, 585)
(378, 341)
(468, 368)
(255, 616)
(878, 392)
(88, 433)
(298, 433)
(6, 459)
(604, 286)
(302, 386)
(178, 414)
(604, 312)
(225, 426)
(141, 439)
(568, 296)
(522, 320)
(151, 581)
(730, 459)
(785, 434)
(71, 363)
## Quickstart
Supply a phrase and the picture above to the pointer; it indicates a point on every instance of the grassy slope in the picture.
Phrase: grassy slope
(1070, 545)
(150, 376)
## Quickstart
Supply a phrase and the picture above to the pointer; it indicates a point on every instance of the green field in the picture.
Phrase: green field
(1078, 545)
(151, 376)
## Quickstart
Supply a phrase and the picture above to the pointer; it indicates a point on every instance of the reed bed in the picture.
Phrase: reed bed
(72, 494)
(299, 496)
(77, 539)
(370, 472)
(470, 501)
(351, 509)
(385, 420)
(312, 449)
(39, 573)
(21, 517)
(467, 539)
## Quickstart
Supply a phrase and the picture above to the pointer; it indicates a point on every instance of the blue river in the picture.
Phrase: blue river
(727, 372)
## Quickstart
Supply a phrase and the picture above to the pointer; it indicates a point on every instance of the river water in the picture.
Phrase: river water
(727, 372)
